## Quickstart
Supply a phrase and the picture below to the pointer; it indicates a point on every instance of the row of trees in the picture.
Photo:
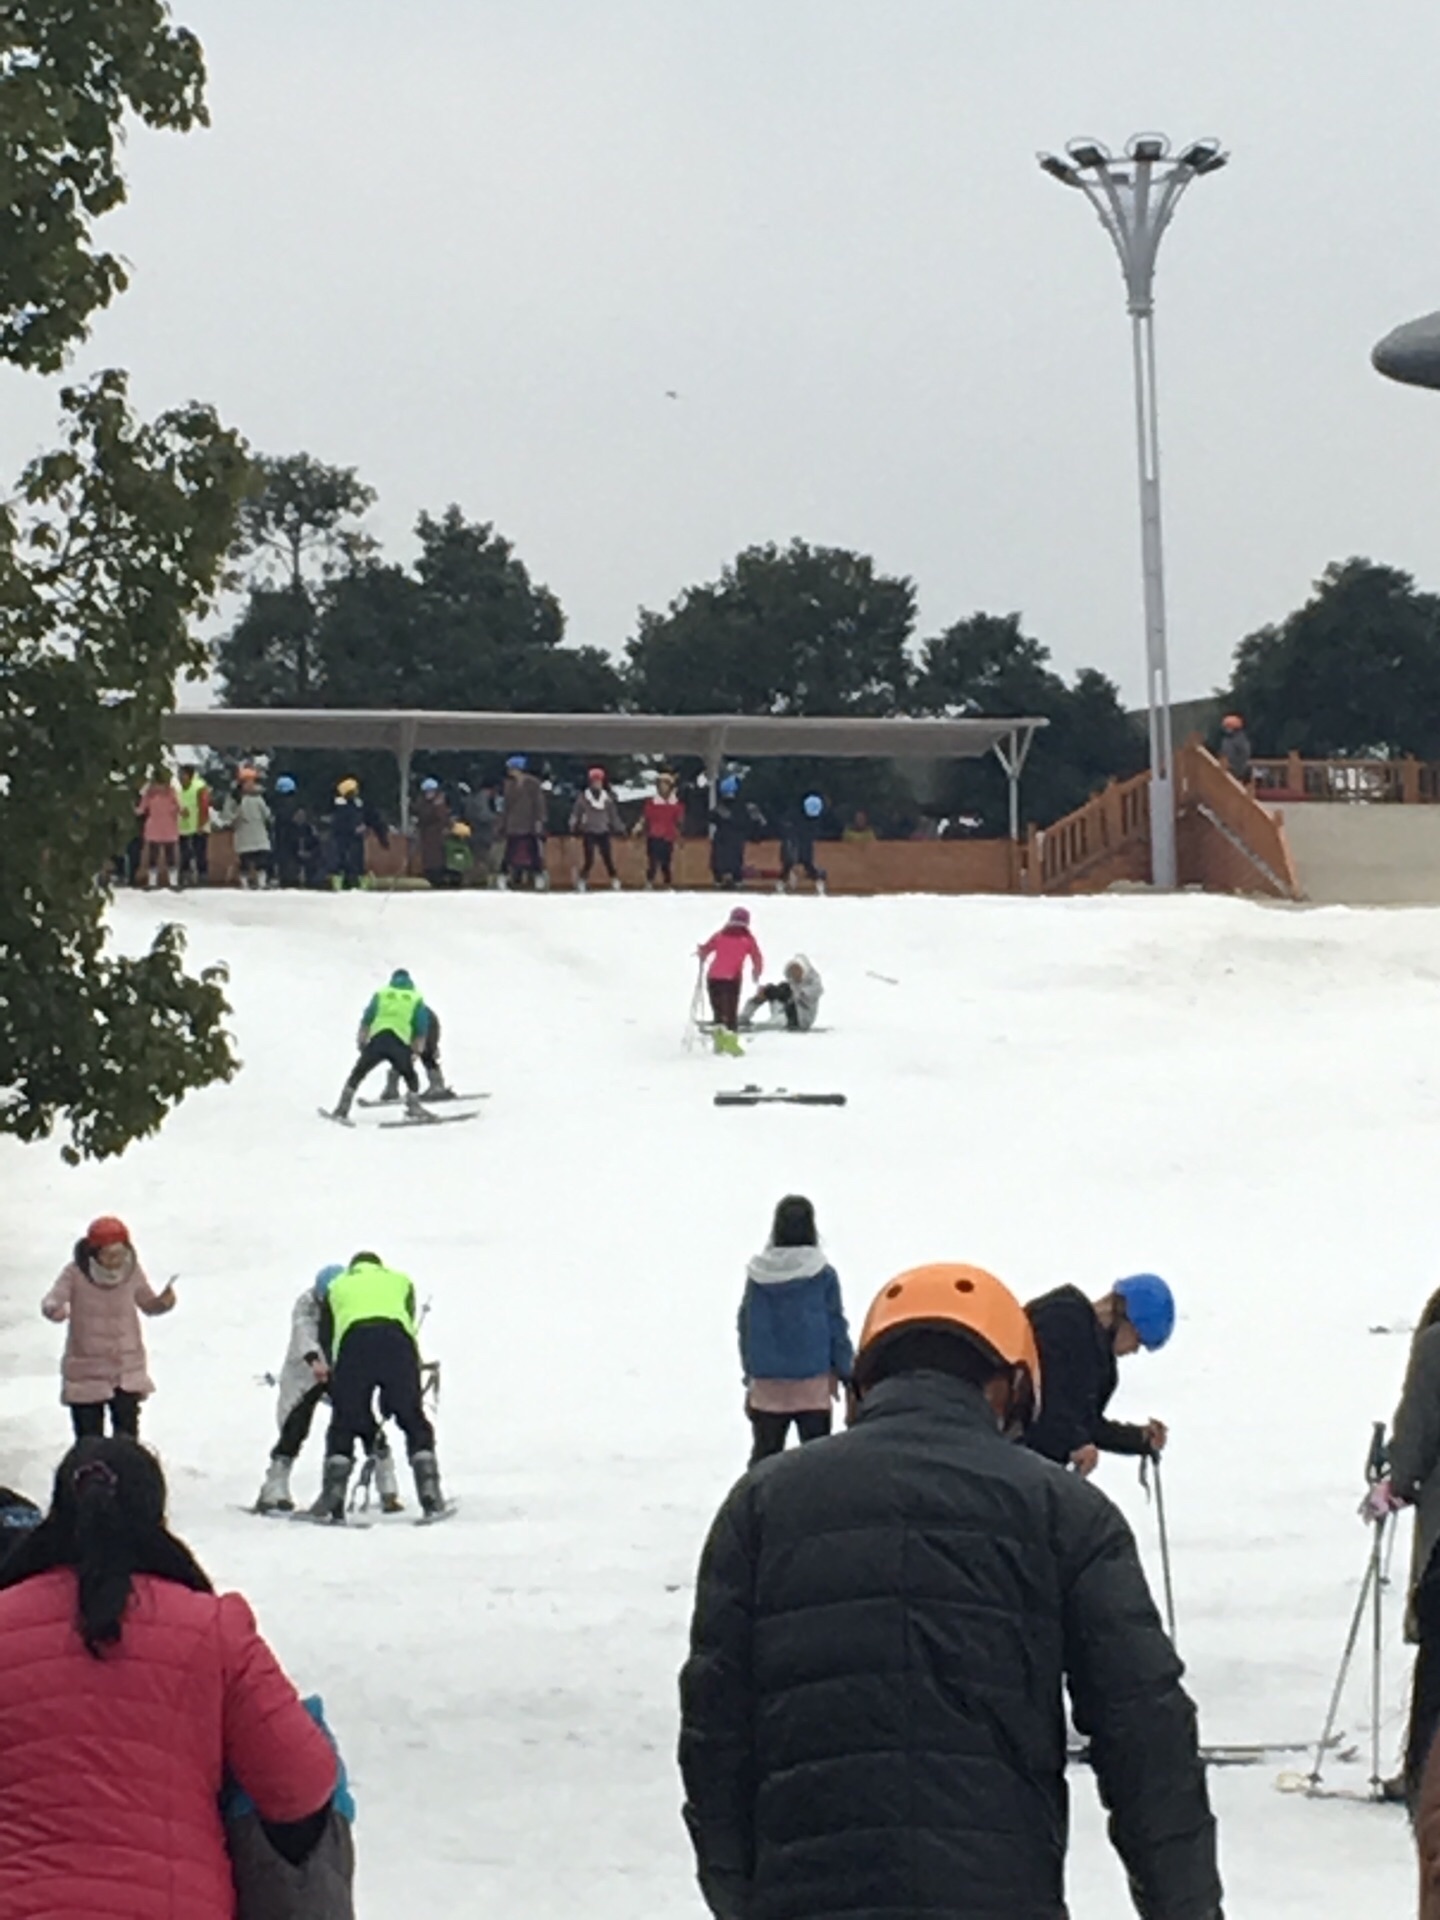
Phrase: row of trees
(799, 630)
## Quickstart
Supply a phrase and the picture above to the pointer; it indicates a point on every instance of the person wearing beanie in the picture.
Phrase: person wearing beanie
(99, 1298)
(1080, 1345)
(723, 958)
(596, 818)
(795, 1352)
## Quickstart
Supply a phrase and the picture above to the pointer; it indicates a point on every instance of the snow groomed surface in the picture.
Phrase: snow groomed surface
(1242, 1099)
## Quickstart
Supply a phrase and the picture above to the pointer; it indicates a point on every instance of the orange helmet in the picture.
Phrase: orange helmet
(1232, 723)
(964, 1300)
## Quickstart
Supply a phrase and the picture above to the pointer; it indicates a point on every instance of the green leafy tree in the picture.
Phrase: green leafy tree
(985, 665)
(108, 557)
(798, 630)
(1355, 671)
(69, 76)
(299, 528)
(111, 549)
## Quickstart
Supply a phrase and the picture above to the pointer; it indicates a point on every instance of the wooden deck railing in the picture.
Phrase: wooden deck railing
(1107, 839)
(1227, 841)
(1406, 781)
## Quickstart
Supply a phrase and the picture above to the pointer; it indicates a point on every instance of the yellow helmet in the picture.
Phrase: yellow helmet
(347, 787)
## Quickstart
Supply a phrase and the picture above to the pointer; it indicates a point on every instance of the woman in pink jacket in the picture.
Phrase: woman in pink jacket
(130, 1693)
(159, 810)
(102, 1294)
(727, 952)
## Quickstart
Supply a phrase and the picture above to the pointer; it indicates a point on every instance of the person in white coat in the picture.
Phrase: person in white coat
(248, 815)
(304, 1382)
(797, 996)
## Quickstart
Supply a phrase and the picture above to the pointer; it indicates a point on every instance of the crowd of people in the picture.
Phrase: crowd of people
(827, 1769)
(494, 834)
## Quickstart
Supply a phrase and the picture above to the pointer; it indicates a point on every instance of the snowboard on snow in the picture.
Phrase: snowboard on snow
(760, 1096)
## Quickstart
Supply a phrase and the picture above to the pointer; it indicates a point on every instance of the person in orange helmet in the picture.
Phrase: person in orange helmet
(1235, 748)
(885, 1624)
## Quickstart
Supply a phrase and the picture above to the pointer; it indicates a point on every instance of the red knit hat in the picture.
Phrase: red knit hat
(107, 1231)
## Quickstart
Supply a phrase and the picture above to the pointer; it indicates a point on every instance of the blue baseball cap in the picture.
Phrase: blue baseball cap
(285, 784)
(814, 806)
(429, 786)
(730, 785)
(516, 762)
(1149, 1307)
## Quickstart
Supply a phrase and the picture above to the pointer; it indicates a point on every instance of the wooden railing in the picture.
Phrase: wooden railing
(1227, 841)
(1107, 839)
(1405, 781)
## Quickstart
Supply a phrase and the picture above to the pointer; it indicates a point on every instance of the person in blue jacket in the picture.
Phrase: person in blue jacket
(795, 1350)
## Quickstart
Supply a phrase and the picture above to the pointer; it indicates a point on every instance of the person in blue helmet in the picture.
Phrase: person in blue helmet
(797, 844)
(523, 821)
(303, 1383)
(1081, 1344)
(733, 822)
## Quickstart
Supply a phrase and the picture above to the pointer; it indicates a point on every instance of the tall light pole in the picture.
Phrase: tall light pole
(1135, 195)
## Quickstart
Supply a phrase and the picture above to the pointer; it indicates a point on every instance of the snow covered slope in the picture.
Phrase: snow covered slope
(1242, 1099)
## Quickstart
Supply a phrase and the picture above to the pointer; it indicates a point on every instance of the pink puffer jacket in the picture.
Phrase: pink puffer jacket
(110, 1769)
(105, 1348)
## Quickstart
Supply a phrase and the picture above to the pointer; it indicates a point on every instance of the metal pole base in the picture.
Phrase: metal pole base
(1164, 864)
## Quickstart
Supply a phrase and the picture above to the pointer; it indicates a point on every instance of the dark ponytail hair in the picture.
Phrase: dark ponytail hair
(794, 1223)
(107, 1522)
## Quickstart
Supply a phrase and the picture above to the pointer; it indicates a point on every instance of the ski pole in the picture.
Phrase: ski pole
(697, 1004)
(1345, 1659)
(1164, 1546)
(1377, 1598)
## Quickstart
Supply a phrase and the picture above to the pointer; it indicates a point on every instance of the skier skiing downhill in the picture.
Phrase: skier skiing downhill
(304, 1382)
(1079, 1347)
(727, 953)
(392, 1031)
(372, 1308)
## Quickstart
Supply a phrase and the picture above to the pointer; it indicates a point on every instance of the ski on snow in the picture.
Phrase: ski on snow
(429, 1120)
(426, 1100)
(760, 1096)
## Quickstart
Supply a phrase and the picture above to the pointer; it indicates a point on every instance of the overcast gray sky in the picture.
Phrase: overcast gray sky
(467, 245)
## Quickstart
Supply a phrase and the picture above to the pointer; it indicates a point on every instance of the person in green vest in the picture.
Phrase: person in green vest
(392, 1031)
(194, 827)
(375, 1350)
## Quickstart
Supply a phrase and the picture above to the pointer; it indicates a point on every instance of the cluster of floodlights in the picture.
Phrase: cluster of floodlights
(1144, 149)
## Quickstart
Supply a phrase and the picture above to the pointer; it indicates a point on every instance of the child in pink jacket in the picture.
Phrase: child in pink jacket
(727, 952)
(159, 810)
(102, 1294)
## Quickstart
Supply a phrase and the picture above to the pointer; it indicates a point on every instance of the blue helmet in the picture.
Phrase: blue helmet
(285, 784)
(517, 763)
(729, 785)
(814, 806)
(429, 786)
(323, 1279)
(1149, 1307)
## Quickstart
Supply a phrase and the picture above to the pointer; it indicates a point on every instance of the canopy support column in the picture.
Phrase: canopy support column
(1012, 753)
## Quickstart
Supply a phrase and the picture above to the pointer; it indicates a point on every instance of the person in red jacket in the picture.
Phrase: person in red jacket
(130, 1693)
(661, 825)
(727, 952)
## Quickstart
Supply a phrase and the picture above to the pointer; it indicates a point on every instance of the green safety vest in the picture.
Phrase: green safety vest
(395, 1011)
(190, 798)
(370, 1292)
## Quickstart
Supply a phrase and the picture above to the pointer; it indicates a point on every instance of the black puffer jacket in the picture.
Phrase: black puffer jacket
(1077, 1381)
(872, 1718)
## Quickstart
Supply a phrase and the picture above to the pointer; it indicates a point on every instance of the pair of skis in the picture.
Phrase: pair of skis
(760, 1097)
(405, 1118)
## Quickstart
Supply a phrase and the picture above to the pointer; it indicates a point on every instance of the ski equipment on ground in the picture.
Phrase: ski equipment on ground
(759, 1096)
(340, 1119)
(427, 1120)
(426, 1099)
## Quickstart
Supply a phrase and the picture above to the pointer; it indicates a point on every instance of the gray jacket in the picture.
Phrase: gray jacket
(296, 1379)
(807, 992)
(1415, 1451)
(596, 813)
(250, 816)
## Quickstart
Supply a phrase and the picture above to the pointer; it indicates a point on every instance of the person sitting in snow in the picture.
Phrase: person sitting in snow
(728, 952)
(797, 996)
(304, 1382)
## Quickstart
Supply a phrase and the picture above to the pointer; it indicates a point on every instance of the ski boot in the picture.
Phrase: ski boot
(274, 1494)
(390, 1092)
(435, 1087)
(333, 1489)
(728, 1043)
(387, 1481)
(426, 1469)
(344, 1103)
(615, 884)
(415, 1109)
